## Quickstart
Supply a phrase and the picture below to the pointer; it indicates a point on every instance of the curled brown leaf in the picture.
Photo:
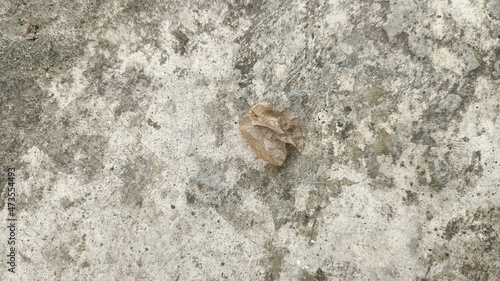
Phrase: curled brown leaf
(268, 130)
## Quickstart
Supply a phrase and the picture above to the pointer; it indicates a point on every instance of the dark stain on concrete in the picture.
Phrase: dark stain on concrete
(444, 109)
(138, 173)
(274, 263)
(442, 169)
(244, 63)
(471, 248)
(153, 124)
(275, 186)
(130, 99)
(319, 275)
(181, 45)
(25, 109)
(410, 198)
(64, 148)
(452, 228)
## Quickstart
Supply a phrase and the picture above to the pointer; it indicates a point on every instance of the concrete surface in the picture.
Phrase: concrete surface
(121, 120)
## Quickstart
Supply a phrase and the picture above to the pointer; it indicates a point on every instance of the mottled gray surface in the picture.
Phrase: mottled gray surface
(121, 119)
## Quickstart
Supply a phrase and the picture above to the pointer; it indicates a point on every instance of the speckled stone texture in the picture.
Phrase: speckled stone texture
(121, 119)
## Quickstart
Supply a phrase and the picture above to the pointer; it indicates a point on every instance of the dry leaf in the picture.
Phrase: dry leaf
(269, 130)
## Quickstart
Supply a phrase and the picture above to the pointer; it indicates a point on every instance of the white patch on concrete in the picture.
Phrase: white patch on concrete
(465, 13)
(301, 196)
(445, 59)
(345, 83)
(64, 91)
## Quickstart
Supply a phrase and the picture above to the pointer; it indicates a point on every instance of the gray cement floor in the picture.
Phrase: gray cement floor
(121, 121)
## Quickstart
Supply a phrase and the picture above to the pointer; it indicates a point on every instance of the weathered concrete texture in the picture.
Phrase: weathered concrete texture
(121, 119)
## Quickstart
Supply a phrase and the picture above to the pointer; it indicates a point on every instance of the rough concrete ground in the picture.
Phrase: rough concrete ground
(121, 120)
